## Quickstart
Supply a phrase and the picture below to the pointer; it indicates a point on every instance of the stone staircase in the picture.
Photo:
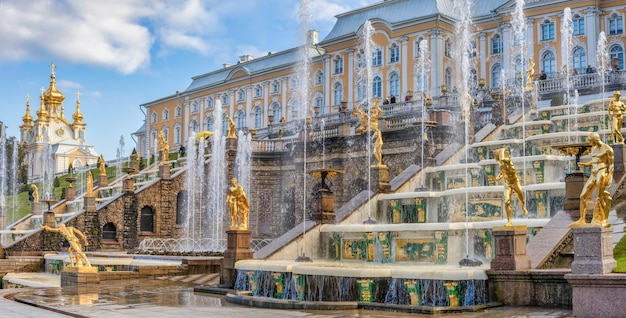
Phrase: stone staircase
(16, 264)
(195, 279)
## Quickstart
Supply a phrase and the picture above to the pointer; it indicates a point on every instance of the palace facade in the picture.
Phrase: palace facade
(264, 92)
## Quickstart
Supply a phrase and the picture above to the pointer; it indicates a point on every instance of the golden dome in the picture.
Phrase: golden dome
(27, 119)
(53, 97)
(78, 116)
(42, 113)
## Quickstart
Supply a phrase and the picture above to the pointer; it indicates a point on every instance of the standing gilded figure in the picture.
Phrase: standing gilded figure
(238, 205)
(511, 182)
(616, 116)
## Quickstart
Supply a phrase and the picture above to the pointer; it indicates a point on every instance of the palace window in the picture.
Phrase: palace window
(616, 24)
(377, 87)
(240, 119)
(394, 53)
(193, 127)
(496, 44)
(276, 87)
(495, 76)
(166, 114)
(473, 49)
(361, 91)
(319, 102)
(276, 113)
(241, 95)
(377, 57)
(448, 48)
(225, 99)
(294, 83)
(154, 117)
(338, 62)
(394, 84)
(548, 63)
(448, 78)
(547, 31)
(579, 25)
(418, 49)
(209, 124)
(319, 78)
(337, 94)
(617, 57)
(209, 103)
(224, 126)
(178, 112)
(258, 91)
(194, 107)
(580, 60)
(177, 134)
(258, 117)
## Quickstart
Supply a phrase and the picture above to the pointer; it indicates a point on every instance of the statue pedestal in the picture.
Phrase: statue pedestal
(129, 185)
(593, 250)
(619, 154)
(325, 207)
(510, 245)
(70, 194)
(90, 204)
(75, 275)
(380, 178)
(36, 208)
(164, 172)
(238, 248)
(231, 143)
(102, 180)
(574, 183)
(49, 219)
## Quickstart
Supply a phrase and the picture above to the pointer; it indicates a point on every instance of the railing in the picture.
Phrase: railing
(583, 81)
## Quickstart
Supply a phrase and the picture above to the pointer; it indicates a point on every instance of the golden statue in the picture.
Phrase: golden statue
(75, 251)
(231, 128)
(238, 205)
(530, 74)
(164, 147)
(601, 178)
(365, 119)
(102, 166)
(511, 182)
(89, 184)
(616, 116)
(34, 192)
(378, 146)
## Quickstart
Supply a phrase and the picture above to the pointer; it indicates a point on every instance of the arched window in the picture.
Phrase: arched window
(418, 49)
(377, 87)
(580, 60)
(616, 24)
(276, 113)
(193, 127)
(548, 63)
(495, 76)
(109, 232)
(225, 99)
(166, 133)
(258, 91)
(496, 44)
(275, 87)
(177, 134)
(547, 30)
(294, 83)
(377, 57)
(294, 106)
(166, 114)
(448, 78)
(617, 57)
(181, 207)
(210, 103)
(154, 117)
(209, 124)
(338, 64)
(146, 220)
(224, 125)
(337, 94)
(361, 91)
(258, 117)
(394, 84)
(241, 95)
(448, 48)
(319, 77)
(178, 112)
(240, 119)
(194, 107)
(394, 53)
(319, 102)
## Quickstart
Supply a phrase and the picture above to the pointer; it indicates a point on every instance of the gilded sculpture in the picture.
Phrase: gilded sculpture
(511, 182)
(231, 128)
(366, 119)
(75, 251)
(89, 184)
(530, 74)
(601, 179)
(616, 116)
(238, 206)
(377, 137)
(34, 192)
(102, 166)
(164, 147)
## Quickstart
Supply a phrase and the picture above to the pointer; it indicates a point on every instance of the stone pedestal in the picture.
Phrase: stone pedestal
(129, 185)
(238, 248)
(619, 154)
(574, 183)
(598, 295)
(380, 178)
(593, 250)
(75, 275)
(102, 180)
(48, 219)
(510, 245)
(231, 144)
(36, 208)
(90, 204)
(324, 203)
(164, 172)
(70, 194)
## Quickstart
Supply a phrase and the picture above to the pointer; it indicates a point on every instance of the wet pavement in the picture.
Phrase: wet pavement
(159, 298)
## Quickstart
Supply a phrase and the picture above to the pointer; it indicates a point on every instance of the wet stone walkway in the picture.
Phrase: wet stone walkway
(157, 298)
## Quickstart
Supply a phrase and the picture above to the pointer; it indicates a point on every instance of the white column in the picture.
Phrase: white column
(591, 32)
(326, 85)
(483, 50)
(266, 101)
(404, 83)
(436, 58)
(283, 97)
(350, 96)
(507, 43)
(186, 111)
(530, 39)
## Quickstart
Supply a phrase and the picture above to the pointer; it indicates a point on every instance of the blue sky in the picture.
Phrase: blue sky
(123, 53)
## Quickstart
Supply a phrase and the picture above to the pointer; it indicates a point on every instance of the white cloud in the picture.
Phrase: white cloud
(65, 85)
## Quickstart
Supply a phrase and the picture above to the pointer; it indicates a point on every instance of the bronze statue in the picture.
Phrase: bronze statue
(89, 184)
(378, 146)
(102, 166)
(231, 128)
(164, 147)
(601, 178)
(511, 182)
(238, 205)
(75, 251)
(34, 193)
(365, 119)
(530, 74)
(616, 116)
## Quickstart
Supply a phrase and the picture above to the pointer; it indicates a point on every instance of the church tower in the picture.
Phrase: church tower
(52, 143)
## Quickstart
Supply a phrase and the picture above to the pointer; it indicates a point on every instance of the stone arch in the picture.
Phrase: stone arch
(146, 219)
(109, 232)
